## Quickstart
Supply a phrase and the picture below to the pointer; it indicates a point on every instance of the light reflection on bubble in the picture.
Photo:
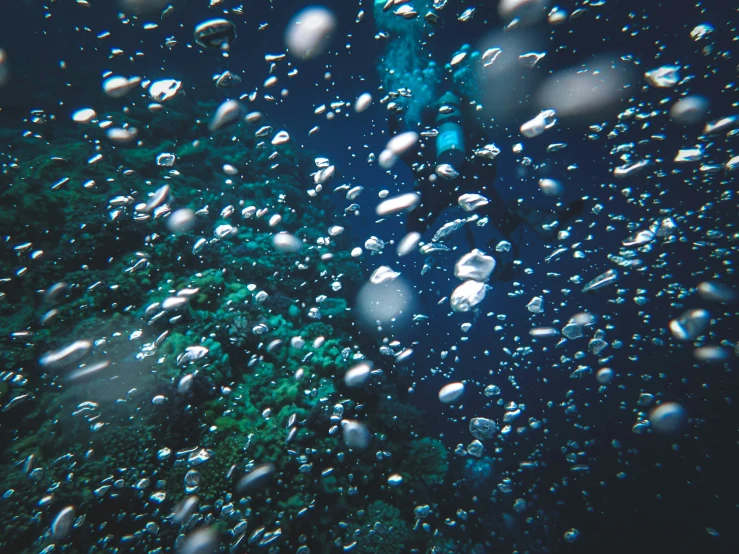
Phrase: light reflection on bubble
(181, 221)
(309, 33)
(527, 12)
(285, 242)
(585, 91)
(141, 7)
(505, 84)
(4, 71)
(689, 110)
(385, 302)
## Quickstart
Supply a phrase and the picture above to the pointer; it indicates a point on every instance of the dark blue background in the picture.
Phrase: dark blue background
(671, 494)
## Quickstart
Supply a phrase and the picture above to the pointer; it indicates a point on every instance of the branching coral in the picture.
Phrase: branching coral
(400, 419)
(381, 530)
(249, 387)
(426, 460)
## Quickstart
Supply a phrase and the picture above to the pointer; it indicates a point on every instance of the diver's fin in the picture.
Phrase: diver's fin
(572, 209)
(546, 223)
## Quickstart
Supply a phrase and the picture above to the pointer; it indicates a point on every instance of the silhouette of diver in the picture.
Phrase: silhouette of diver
(456, 131)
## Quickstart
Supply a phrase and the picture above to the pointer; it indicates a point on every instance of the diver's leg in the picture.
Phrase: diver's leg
(434, 199)
(496, 210)
(505, 252)
(547, 222)
(469, 236)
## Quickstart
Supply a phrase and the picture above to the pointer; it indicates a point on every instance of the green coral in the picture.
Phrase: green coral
(243, 375)
(381, 529)
(401, 419)
(334, 308)
(426, 460)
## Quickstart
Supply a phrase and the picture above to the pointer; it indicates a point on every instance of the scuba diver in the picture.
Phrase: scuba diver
(438, 102)
(458, 131)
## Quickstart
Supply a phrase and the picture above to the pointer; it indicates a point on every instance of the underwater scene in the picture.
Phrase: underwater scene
(369, 276)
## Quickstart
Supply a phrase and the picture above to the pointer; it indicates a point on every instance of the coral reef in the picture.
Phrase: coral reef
(426, 460)
(184, 400)
(380, 530)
